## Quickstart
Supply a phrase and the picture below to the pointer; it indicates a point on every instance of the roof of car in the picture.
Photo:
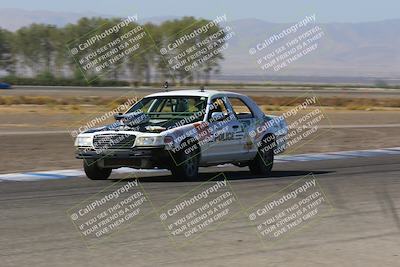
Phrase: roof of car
(198, 92)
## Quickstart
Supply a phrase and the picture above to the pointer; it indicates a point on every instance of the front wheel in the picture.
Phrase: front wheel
(185, 166)
(263, 162)
(94, 171)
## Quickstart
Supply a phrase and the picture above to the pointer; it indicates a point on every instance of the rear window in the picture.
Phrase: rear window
(240, 108)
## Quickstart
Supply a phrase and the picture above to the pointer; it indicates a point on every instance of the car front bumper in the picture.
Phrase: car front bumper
(143, 157)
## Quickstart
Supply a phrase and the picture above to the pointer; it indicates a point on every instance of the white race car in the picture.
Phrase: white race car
(182, 131)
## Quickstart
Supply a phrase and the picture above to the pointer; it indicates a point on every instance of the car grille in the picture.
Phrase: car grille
(113, 141)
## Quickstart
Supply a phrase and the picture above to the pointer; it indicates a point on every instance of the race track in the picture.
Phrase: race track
(355, 161)
(363, 228)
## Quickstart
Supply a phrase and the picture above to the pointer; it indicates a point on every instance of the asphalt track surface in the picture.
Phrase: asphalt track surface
(363, 228)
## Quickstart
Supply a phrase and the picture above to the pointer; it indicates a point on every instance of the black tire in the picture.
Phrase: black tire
(264, 160)
(94, 172)
(185, 166)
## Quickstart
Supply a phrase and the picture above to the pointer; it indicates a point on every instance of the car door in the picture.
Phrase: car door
(247, 120)
(226, 134)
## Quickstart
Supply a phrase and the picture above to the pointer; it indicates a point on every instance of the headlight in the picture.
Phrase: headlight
(149, 141)
(83, 141)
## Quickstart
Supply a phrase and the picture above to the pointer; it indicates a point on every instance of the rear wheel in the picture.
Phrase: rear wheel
(264, 161)
(185, 166)
(94, 171)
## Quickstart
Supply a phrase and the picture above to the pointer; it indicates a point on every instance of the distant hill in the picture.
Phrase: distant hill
(369, 49)
(15, 18)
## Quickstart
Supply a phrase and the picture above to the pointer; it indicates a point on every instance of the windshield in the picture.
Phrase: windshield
(171, 107)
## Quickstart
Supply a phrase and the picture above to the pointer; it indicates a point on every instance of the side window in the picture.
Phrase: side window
(196, 104)
(240, 108)
(218, 105)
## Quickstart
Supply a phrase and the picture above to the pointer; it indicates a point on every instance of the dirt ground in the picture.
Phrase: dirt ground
(22, 118)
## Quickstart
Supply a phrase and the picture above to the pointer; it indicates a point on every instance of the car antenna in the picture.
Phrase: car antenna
(202, 88)
(166, 86)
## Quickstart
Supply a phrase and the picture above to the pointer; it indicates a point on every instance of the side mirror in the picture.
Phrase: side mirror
(216, 116)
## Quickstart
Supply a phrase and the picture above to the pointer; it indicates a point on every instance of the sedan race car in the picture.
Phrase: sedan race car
(182, 131)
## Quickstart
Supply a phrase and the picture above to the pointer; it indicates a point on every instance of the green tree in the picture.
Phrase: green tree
(36, 46)
(45, 50)
(7, 53)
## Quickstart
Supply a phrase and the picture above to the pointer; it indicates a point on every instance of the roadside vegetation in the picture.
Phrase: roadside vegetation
(38, 54)
(267, 104)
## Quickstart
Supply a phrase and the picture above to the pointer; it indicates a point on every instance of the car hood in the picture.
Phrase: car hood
(139, 123)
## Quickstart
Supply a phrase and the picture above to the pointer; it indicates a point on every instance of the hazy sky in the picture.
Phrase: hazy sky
(274, 11)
